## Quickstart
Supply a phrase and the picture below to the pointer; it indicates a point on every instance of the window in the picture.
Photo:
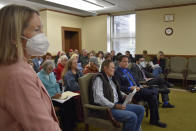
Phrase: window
(123, 35)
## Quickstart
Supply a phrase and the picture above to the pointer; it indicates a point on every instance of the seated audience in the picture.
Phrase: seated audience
(30, 62)
(92, 67)
(141, 75)
(128, 83)
(113, 55)
(128, 54)
(79, 63)
(84, 58)
(48, 56)
(37, 61)
(161, 62)
(90, 54)
(74, 55)
(116, 63)
(70, 53)
(105, 91)
(47, 77)
(76, 51)
(107, 56)
(100, 57)
(59, 54)
(58, 71)
(146, 56)
(70, 75)
(94, 52)
(68, 117)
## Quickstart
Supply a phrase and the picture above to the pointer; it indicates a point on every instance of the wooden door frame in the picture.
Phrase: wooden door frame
(63, 29)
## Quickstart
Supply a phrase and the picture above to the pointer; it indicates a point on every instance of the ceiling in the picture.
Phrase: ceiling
(120, 5)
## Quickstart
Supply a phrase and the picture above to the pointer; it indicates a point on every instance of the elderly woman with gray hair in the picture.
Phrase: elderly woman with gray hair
(47, 77)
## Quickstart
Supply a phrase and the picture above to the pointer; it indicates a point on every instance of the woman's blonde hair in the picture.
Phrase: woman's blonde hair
(74, 55)
(67, 66)
(13, 20)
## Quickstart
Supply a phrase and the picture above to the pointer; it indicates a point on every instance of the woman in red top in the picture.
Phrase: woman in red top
(58, 71)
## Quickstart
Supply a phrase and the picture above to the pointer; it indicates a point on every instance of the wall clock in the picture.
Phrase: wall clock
(168, 31)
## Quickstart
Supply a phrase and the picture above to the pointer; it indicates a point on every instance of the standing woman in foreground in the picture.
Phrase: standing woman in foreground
(24, 102)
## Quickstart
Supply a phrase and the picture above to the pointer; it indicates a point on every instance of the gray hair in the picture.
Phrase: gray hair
(83, 50)
(63, 57)
(48, 63)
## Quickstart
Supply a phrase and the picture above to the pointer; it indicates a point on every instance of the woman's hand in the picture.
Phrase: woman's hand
(57, 96)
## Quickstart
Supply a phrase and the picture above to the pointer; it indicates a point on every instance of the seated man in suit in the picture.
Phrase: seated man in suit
(128, 83)
(141, 75)
(105, 91)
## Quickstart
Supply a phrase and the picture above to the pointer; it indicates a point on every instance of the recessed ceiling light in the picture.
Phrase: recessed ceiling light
(1, 6)
(79, 4)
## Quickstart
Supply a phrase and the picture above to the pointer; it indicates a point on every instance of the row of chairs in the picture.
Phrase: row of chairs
(180, 68)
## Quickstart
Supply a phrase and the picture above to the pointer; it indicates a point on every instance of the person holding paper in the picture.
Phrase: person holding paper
(105, 92)
(128, 83)
(47, 77)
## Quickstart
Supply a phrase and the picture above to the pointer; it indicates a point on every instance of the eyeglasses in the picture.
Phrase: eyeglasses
(125, 61)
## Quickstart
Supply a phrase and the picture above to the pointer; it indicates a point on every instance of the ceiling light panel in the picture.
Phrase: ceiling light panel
(78, 4)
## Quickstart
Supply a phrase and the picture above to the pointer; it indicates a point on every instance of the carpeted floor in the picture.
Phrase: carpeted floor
(181, 118)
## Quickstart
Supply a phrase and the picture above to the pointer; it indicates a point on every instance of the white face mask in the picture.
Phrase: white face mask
(143, 64)
(37, 45)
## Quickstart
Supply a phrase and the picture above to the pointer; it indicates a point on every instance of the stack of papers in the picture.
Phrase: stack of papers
(129, 97)
(65, 96)
(154, 66)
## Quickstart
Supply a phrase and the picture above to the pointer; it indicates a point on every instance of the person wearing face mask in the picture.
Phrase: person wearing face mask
(128, 82)
(36, 46)
(25, 104)
(143, 76)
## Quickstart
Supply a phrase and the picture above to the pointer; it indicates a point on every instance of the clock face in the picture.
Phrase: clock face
(168, 31)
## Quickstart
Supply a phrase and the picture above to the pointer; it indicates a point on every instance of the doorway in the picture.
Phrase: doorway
(71, 38)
